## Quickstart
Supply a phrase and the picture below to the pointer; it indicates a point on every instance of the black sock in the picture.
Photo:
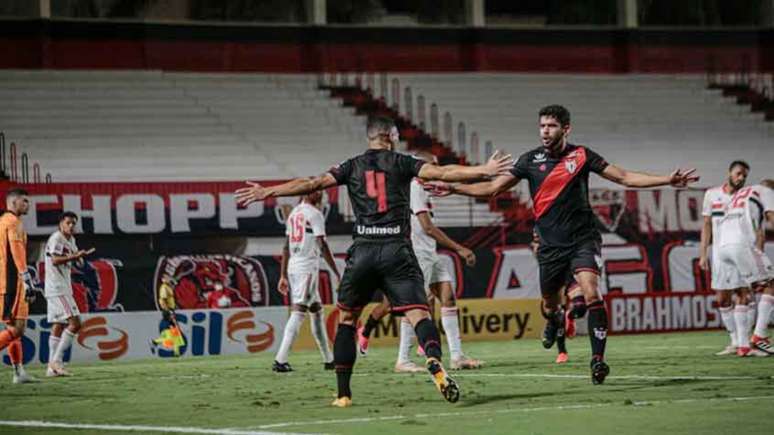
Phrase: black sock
(561, 344)
(369, 326)
(428, 337)
(578, 307)
(598, 329)
(344, 356)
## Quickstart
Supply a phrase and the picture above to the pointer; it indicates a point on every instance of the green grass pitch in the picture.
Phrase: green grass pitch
(665, 383)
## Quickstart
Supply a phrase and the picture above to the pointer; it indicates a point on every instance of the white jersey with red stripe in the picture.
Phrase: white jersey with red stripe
(303, 226)
(715, 201)
(57, 277)
(743, 215)
(424, 245)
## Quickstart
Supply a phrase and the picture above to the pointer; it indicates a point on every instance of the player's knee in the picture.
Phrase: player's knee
(348, 317)
(300, 308)
(17, 330)
(415, 316)
(75, 325)
(315, 307)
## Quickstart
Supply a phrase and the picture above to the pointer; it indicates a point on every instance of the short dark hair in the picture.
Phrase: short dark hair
(16, 191)
(736, 163)
(378, 125)
(560, 113)
(67, 214)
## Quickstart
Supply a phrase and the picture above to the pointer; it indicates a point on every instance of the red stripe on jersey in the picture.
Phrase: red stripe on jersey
(559, 178)
(717, 205)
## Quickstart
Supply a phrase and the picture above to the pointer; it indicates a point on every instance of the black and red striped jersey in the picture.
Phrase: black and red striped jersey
(559, 186)
(378, 184)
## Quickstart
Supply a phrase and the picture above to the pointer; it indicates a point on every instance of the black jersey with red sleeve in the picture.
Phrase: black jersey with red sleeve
(559, 186)
(379, 184)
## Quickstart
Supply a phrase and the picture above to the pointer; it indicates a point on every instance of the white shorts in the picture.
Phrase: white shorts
(433, 271)
(740, 265)
(304, 288)
(61, 308)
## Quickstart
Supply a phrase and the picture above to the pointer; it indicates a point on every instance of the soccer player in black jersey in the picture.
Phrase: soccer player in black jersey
(381, 257)
(569, 248)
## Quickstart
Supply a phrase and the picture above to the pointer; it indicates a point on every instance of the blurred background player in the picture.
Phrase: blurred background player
(299, 275)
(381, 257)
(61, 253)
(570, 243)
(760, 338)
(16, 287)
(729, 227)
(424, 237)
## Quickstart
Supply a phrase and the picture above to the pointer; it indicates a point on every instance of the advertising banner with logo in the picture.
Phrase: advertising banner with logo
(192, 234)
(480, 319)
(124, 336)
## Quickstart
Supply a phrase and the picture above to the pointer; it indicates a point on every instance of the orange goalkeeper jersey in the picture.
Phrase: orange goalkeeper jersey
(13, 260)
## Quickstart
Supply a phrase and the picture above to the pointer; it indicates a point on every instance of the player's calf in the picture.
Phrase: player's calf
(554, 327)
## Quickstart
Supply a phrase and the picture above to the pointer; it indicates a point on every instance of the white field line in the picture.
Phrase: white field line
(644, 377)
(501, 411)
(132, 428)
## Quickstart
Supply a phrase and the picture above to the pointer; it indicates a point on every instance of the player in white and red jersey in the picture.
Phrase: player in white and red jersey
(299, 276)
(61, 253)
(728, 226)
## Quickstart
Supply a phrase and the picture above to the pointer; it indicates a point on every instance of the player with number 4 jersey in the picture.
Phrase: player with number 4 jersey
(381, 257)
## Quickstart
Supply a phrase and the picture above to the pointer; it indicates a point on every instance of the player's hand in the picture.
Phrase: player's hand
(28, 286)
(437, 188)
(703, 263)
(499, 164)
(683, 177)
(84, 252)
(468, 256)
(249, 195)
(283, 286)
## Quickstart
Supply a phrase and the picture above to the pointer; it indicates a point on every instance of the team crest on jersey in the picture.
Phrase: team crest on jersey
(571, 166)
(240, 280)
(608, 206)
(539, 158)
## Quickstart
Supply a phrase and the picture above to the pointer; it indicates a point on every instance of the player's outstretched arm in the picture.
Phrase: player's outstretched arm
(298, 186)
(678, 178)
(75, 256)
(283, 286)
(483, 189)
(499, 164)
(706, 239)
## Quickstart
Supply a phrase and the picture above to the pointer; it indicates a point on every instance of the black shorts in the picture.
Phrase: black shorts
(389, 266)
(559, 265)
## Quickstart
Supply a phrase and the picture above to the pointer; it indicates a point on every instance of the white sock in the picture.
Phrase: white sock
(742, 327)
(18, 369)
(321, 336)
(406, 338)
(727, 315)
(291, 331)
(64, 344)
(452, 328)
(751, 315)
(53, 343)
(764, 313)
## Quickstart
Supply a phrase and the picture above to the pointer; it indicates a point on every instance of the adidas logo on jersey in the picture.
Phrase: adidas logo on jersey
(539, 158)
(363, 230)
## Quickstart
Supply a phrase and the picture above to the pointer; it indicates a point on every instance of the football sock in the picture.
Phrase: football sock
(15, 352)
(53, 343)
(427, 335)
(598, 328)
(751, 311)
(6, 337)
(344, 355)
(578, 306)
(452, 328)
(727, 316)
(406, 338)
(291, 330)
(742, 327)
(64, 344)
(369, 326)
(561, 344)
(764, 313)
(321, 336)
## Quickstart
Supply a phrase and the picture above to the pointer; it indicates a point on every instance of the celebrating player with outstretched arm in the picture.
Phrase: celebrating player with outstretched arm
(558, 174)
(61, 253)
(381, 257)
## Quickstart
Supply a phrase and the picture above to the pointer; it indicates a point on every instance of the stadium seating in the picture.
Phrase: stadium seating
(647, 122)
